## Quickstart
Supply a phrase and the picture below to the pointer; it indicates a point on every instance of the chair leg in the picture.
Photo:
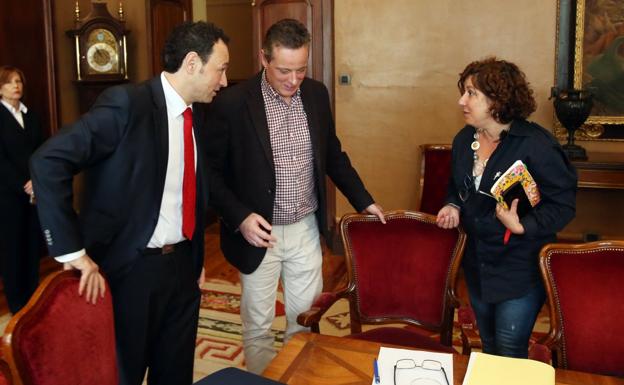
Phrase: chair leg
(466, 348)
(468, 325)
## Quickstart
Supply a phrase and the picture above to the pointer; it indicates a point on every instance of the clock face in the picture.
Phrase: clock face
(102, 52)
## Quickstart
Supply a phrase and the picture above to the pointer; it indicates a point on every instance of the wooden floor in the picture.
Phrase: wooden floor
(334, 271)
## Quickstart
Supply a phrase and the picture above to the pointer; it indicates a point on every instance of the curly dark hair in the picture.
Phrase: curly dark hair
(504, 84)
(288, 33)
(188, 37)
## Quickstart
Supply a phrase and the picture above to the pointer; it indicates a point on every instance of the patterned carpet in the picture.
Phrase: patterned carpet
(219, 340)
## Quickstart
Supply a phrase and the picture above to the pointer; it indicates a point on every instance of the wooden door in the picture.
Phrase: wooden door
(27, 42)
(317, 16)
(32, 29)
(163, 16)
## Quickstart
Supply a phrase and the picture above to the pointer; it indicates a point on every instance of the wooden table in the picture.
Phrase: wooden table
(601, 171)
(323, 360)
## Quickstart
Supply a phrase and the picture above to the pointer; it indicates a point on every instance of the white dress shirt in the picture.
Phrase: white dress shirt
(169, 227)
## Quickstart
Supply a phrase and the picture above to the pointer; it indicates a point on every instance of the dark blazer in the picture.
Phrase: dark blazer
(16, 146)
(121, 144)
(242, 173)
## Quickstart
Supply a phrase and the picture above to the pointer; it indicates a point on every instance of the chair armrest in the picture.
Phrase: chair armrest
(323, 302)
(469, 332)
(539, 352)
(470, 339)
(548, 348)
(550, 340)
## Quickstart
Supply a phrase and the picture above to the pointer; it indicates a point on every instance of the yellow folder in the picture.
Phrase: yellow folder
(487, 369)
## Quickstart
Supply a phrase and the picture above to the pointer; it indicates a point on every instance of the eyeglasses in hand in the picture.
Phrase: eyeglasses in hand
(408, 369)
(469, 188)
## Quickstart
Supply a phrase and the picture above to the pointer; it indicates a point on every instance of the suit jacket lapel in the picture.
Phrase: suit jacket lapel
(29, 129)
(161, 127)
(255, 104)
(199, 121)
(310, 108)
(12, 121)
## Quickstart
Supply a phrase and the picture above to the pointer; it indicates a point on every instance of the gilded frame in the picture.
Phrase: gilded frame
(596, 48)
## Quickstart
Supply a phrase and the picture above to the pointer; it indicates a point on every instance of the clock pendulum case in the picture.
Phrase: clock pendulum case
(100, 49)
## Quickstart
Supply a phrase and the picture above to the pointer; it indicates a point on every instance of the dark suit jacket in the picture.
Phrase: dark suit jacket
(16, 146)
(121, 144)
(242, 173)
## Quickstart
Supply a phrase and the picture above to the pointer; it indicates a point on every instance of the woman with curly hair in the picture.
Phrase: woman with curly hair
(503, 278)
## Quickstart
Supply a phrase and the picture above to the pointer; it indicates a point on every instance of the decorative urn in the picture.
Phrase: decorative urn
(572, 107)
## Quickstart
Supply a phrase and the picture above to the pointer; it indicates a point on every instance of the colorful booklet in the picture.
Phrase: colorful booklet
(517, 183)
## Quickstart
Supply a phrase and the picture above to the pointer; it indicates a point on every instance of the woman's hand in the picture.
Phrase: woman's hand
(28, 188)
(448, 217)
(510, 218)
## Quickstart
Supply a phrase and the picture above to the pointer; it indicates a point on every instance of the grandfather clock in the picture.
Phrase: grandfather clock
(100, 51)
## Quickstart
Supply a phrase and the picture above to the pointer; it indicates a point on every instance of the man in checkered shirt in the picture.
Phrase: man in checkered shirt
(271, 142)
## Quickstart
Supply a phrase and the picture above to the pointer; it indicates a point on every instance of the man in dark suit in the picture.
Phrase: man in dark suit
(141, 149)
(272, 141)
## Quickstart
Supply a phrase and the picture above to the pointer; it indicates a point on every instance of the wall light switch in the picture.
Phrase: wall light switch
(344, 79)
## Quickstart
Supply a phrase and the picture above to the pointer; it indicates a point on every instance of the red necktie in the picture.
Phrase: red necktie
(188, 184)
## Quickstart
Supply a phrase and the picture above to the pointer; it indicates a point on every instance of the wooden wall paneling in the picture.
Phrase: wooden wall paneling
(163, 16)
(234, 17)
(309, 12)
(328, 77)
(27, 42)
(51, 93)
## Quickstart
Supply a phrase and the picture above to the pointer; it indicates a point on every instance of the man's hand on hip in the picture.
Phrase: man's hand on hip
(257, 231)
(91, 281)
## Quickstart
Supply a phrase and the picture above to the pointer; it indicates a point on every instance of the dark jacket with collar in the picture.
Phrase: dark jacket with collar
(497, 271)
(121, 144)
(242, 179)
(16, 146)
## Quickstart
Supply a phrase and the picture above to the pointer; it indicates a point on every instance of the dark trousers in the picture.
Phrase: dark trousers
(21, 241)
(505, 327)
(156, 309)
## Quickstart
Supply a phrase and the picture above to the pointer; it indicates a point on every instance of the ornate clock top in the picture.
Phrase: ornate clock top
(100, 44)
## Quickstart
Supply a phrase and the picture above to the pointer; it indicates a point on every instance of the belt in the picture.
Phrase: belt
(167, 249)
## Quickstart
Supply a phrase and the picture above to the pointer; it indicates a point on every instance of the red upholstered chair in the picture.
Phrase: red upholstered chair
(58, 338)
(435, 171)
(586, 298)
(401, 272)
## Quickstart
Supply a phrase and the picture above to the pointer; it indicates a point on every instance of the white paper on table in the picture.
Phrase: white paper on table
(388, 357)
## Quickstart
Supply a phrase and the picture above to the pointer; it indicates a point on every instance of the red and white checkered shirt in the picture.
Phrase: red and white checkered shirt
(295, 195)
